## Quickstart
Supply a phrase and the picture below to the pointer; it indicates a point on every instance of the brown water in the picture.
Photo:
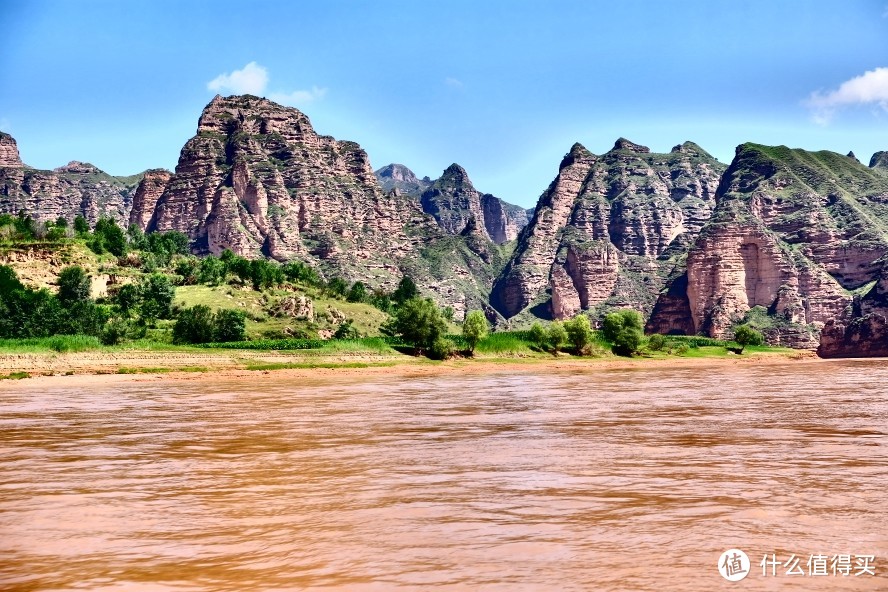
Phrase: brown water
(613, 480)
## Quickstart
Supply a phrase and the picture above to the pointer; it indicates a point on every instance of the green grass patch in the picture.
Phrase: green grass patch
(56, 343)
(15, 376)
(164, 370)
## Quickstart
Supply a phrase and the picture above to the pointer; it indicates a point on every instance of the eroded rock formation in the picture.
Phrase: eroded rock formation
(795, 233)
(605, 230)
(452, 200)
(74, 189)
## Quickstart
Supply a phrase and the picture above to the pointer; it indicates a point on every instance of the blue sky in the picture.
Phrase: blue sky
(503, 88)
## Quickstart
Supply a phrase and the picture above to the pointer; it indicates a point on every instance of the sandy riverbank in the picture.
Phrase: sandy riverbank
(104, 368)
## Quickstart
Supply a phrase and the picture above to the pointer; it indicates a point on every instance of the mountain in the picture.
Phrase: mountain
(397, 176)
(796, 239)
(258, 180)
(454, 201)
(75, 189)
(607, 230)
(791, 241)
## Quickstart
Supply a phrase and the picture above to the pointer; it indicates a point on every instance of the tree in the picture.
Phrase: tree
(579, 332)
(624, 329)
(357, 293)
(745, 335)
(74, 285)
(474, 329)
(194, 325)
(211, 271)
(346, 330)
(557, 336)
(337, 286)
(405, 291)
(81, 226)
(108, 236)
(229, 325)
(419, 322)
(9, 281)
(128, 299)
(157, 297)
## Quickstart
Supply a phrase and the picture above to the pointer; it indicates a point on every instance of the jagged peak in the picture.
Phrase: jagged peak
(879, 160)
(624, 144)
(456, 175)
(454, 170)
(852, 156)
(691, 148)
(577, 152)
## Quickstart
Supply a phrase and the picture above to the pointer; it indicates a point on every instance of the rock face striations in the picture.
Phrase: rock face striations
(791, 241)
(607, 229)
(453, 201)
(794, 236)
(258, 180)
(74, 189)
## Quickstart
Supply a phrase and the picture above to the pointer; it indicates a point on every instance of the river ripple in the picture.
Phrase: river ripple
(608, 480)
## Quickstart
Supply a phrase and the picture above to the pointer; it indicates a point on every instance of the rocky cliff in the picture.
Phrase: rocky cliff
(452, 200)
(607, 229)
(148, 193)
(861, 337)
(794, 236)
(258, 180)
(74, 189)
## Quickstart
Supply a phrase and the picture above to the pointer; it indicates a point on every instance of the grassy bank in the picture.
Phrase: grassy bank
(20, 358)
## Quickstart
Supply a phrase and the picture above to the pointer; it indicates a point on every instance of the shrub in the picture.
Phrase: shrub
(114, 331)
(108, 236)
(656, 342)
(557, 336)
(337, 287)
(474, 329)
(441, 349)
(624, 330)
(579, 332)
(194, 325)
(229, 325)
(81, 226)
(346, 331)
(537, 336)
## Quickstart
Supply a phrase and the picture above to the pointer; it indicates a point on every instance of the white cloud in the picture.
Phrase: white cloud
(297, 98)
(453, 82)
(251, 79)
(867, 89)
